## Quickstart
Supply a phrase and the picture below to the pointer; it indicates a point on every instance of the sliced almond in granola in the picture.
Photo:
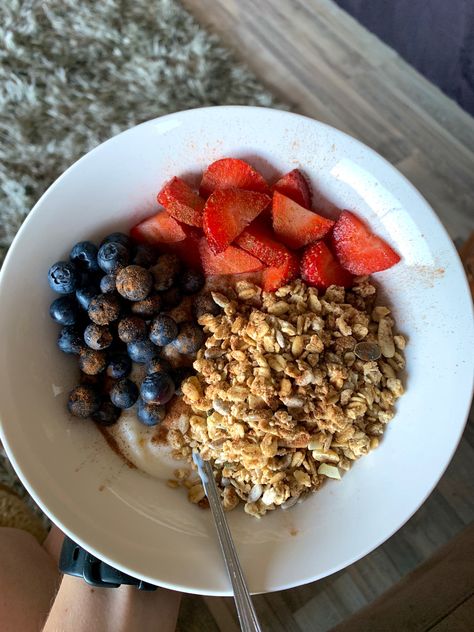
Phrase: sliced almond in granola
(331, 471)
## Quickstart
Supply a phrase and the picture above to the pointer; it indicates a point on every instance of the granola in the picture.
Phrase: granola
(291, 388)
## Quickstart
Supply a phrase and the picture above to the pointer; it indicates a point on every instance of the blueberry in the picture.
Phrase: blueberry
(163, 330)
(124, 393)
(104, 309)
(191, 281)
(179, 375)
(142, 351)
(132, 329)
(107, 284)
(84, 295)
(144, 256)
(92, 380)
(205, 304)
(83, 401)
(119, 365)
(118, 238)
(63, 277)
(107, 414)
(190, 338)
(63, 310)
(112, 256)
(148, 307)
(165, 271)
(97, 336)
(92, 362)
(150, 414)
(171, 298)
(134, 283)
(70, 339)
(84, 256)
(158, 365)
(157, 388)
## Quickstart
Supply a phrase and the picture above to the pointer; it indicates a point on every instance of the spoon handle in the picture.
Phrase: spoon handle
(245, 610)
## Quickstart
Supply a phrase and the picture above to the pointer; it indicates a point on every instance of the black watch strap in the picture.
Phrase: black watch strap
(74, 560)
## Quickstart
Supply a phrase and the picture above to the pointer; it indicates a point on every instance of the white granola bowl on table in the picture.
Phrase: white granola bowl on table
(136, 522)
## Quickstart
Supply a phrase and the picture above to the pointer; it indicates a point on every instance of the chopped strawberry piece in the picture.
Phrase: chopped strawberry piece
(232, 261)
(319, 267)
(188, 249)
(358, 249)
(157, 229)
(230, 173)
(277, 276)
(228, 212)
(258, 240)
(295, 186)
(295, 225)
(181, 202)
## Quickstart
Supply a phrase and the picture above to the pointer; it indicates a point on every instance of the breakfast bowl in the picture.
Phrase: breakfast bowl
(135, 521)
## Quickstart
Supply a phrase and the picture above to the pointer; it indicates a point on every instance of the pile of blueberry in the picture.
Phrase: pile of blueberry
(112, 312)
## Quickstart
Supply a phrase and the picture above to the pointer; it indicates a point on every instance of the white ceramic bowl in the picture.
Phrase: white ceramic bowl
(137, 523)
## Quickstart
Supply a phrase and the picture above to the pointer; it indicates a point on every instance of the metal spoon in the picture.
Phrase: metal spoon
(243, 602)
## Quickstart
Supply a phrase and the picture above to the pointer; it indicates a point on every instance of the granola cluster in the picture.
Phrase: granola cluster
(291, 388)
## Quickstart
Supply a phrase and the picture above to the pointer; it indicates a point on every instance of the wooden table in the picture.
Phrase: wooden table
(322, 63)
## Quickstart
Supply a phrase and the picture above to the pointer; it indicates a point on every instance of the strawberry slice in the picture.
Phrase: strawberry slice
(277, 276)
(157, 229)
(228, 212)
(295, 225)
(258, 240)
(181, 202)
(187, 250)
(319, 267)
(295, 186)
(230, 173)
(232, 261)
(358, 249)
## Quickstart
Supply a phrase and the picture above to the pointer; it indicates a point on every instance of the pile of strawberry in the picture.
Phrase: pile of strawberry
(238, 224)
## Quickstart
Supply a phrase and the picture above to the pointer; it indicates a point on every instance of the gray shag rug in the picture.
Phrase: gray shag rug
(73, 74)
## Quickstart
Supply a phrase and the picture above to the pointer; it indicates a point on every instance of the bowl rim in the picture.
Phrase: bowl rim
(274, 113)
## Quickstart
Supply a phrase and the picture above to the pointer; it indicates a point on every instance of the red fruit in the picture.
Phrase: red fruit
(157, 229)
(319, 267)
(228, 212)
(188, 249)
(295, 225)
(294, 186)
(258, 240)
(276, 276)
(230, 173)
(232, 261)
(358, 249)
(181, 202)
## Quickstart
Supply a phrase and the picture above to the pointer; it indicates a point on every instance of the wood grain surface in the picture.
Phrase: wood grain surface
(317, 59)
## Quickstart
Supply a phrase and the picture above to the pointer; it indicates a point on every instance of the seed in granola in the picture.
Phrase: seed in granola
(385, 338)
(279, 308)
(400, 342)
(255, 493)
(302, 478)
(367, 351)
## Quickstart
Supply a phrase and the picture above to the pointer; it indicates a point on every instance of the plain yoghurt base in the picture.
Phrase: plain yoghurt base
(145, 446)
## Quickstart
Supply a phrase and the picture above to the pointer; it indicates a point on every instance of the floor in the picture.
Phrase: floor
(315, 57)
